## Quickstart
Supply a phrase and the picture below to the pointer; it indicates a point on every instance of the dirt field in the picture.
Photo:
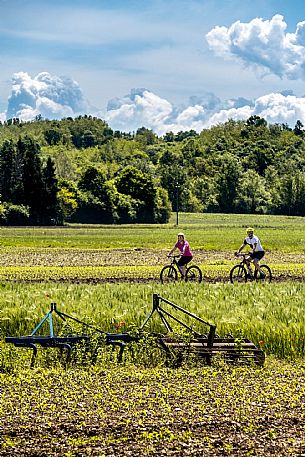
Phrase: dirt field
(153, 412)
(135, 256)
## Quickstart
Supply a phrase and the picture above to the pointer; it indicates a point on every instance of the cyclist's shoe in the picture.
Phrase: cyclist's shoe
(262, 275)
(250, 276)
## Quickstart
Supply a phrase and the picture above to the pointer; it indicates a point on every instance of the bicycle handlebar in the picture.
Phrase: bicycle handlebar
(242, 254)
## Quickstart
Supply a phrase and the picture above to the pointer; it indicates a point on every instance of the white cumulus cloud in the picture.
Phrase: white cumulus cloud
(278, 108)
(53, 97)
(140, 108)
(264, 44)
(143, 108)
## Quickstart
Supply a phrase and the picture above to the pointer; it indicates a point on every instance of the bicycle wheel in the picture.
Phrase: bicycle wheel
(266, 276)
(193, 274)
(168, 274)
(238, 274)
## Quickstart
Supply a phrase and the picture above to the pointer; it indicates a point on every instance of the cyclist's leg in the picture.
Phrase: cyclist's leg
(257, 257)
(181, 266)
(256, 264)
(182, 262)
(248, 263)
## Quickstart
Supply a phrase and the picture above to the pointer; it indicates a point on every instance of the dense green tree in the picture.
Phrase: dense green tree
(298, 128)
(133, 182)
(293, 194)
(162, 209)
(247, 166)
(32, 178)
(169, 137)
(256, 121)
(15, 215)
(227, 183)
(88, 139)
(7, 158)
(51, 209)
(67, 198)
(93, 183)
(140, 186)
(146, 137)
(53, 136)
(252, 196)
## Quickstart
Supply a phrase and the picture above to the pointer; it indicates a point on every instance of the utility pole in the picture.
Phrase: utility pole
(177, 203)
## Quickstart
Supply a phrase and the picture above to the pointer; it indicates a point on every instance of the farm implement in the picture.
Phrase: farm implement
(67, 342)
(178, 346)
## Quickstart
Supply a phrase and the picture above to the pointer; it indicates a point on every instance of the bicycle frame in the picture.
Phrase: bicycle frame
(175, 262)
(192, 273)
(242, 270)
(246, 262)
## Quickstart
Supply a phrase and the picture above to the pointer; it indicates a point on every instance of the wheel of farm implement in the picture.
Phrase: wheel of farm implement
(193, 274)
(168, 274)
(266, 275)
(238, 274)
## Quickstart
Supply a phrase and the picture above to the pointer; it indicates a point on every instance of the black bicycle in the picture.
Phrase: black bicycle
(240, 273)
(170, 273)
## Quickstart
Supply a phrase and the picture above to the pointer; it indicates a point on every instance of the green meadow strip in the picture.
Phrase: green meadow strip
(205, 231)
(43, 273)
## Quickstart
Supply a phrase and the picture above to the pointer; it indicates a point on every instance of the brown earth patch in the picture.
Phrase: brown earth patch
(137, 256)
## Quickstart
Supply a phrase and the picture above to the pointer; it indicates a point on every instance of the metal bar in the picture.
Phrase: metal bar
(148, 317)
(41, 322)
(179, 321)
(51, 325)
(211, 336)
(126, 337)
(121, 345)
(184, 311)
(166, 324)
(32, 346)
(156, 300)
(69, 350)
(63, 315)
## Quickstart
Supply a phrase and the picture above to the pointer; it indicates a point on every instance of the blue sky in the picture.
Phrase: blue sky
(186, 54)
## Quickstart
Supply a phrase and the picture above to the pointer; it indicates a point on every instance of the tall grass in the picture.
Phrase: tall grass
(272, 315)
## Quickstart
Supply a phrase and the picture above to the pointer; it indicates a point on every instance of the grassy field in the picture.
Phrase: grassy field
(84, 253)
(205, 232)
(105, 275)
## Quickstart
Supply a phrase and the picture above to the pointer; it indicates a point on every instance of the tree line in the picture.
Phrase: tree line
(80, 170)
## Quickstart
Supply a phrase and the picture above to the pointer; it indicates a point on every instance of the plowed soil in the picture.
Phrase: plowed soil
(204, 412)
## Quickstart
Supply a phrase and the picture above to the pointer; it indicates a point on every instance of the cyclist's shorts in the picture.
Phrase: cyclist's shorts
(257, 255)
(184, 260)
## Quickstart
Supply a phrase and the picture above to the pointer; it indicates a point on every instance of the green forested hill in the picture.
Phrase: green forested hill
(85, 172)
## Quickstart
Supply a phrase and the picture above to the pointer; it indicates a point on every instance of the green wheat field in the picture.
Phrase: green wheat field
(105, 275)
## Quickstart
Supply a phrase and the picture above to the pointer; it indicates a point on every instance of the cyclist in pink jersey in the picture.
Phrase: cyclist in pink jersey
(186, 253)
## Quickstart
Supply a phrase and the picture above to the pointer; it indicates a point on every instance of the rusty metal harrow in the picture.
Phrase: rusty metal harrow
(178, 347)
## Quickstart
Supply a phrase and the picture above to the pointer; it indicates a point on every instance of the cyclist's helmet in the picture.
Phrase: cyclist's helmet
(181, 234)
(249, 230)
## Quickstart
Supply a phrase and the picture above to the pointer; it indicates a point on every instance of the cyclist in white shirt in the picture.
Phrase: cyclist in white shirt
(257, 252)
